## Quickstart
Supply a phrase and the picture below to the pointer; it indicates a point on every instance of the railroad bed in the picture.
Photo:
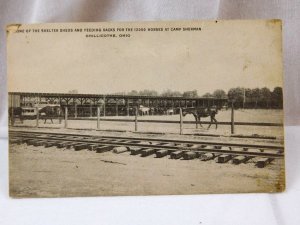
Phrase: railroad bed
(221, 152)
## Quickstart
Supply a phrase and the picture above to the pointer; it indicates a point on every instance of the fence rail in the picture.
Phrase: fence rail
(177, 122)
(136, 121)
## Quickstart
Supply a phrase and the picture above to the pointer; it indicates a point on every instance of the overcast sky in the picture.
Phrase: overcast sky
(220, 56)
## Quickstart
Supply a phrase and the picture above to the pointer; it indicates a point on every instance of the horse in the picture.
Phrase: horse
(170, 111)
(160, 111)
(152, 111)
(202, 112)
(144, 110)
(49, 112)
(15, 112)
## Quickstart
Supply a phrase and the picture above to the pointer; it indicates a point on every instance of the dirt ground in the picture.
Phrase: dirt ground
(53, 172)
(268, 116)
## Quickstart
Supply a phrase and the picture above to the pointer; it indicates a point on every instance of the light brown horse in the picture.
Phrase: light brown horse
(202, 112)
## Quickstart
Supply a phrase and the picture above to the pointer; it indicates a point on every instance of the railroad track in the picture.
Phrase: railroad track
(176, 149)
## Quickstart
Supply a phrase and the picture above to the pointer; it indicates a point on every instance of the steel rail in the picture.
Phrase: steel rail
(126, 141)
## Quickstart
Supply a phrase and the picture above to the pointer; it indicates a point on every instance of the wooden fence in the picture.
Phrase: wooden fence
(136, 121)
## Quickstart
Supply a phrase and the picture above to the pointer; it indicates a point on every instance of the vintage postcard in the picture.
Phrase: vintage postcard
(145, 108)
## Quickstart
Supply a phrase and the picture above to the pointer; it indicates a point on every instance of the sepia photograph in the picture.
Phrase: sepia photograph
(145, 108)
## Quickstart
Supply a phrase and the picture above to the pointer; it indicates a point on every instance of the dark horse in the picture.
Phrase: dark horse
(49, 112)
(202, 112)
(15, 112)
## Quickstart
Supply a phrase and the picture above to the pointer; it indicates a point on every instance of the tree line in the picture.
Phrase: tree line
(166, 93)
(242, 97)
(256, 97)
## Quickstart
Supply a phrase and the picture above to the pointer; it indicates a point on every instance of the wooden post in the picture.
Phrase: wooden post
(136, 119)
(127, 107)
(59, 115)
(66, 117)
(37, 116)
(244, 98)
(117, 109)
(232, 118)
(76, 111)
(98, 117)
(172, 102)
(181, 120)
(91, 110)
(12, 116)
(104, 110)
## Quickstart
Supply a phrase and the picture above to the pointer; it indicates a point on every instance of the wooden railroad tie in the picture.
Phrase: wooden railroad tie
(40, 143)
(148, 151)
(71, 144)
(62, 144)
(199, 154)
(240, 159)
(93, 147)
(223, 158)
(208, 156)
(161, 153)
(25, 140)
(190, 155)
(31, 141)
(15, 141)
(263, 162)
(135, 150)
(49, 144)
(104, 149)
(176, 155)
(79, 147)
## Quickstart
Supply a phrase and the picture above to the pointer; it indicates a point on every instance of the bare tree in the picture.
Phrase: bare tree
(190, 94)
(219, 93)
(169, 93)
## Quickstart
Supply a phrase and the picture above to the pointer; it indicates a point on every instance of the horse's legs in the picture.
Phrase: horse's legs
(45, 121)
(196, 119)
(211, 121)
(199, 119)
(214, 119)
(51, 120)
